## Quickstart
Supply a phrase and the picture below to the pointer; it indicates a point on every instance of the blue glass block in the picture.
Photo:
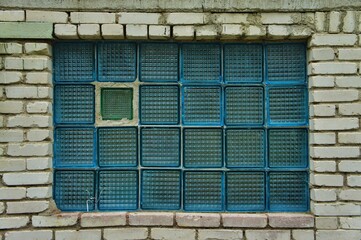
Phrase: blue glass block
(244, 105)
(203, 148)
(288, 148)
(286, 62)
(161, 189)
(201, 63)
(202, 105)
(118, 190)
(289, 191)
(117, 62)
(160, 147)
(74, 147)
(159, 104)
(159, 62)
(117, 146)
(245, 191)
(203, 191)
(74, 104)
(74, 62)
(245, 148)
(243, 63)
(288, 105)
(74, 190)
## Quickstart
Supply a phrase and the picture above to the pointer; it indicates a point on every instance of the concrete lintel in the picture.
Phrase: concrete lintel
(24, 30)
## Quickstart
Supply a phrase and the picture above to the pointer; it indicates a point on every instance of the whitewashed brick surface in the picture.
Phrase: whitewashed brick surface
(112, 31)
(268, 234)
(335, 22)
(159, 32)
(183, 32)
(12, 16)
(244, 220)
(27, 178)
(46, 16)
(78, 234)
(13, 222)
(206, 32)
(151, 219)
(186, 18)
(333, 40)
(172, 234)
(66, 31)
(137, 31)
(92, 17)
(57, 220)
(198, 220)
(125, 233)
(89, 31)
(280, 18)
(102, 219)
(324, 195)
(10, 77)
(338, 234)
(303, 235)
(326, 222)
(138, 18)
(350, 223)
(37, 235)
(220, 234)
(38, 163)
(350, 166)
(39, 192)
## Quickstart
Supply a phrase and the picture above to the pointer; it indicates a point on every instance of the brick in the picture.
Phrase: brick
(333, 40)
(350, 195)
(349, 22)
(138, 18)
(303, 235)
(102, 219)
(301, 31)
(335, 209)
(172, 234)
(324, 166)
(38, 135)
(11, 107)
(57, 220)
(29, 149)
(29, 121)
(323, 110)
(38, 163)
(322, 138)
(38, 107)
(38, 78)
(26, 30)
(37, 63)
(244, 220)
(327, 180)
(13, 222)
(280, 18)
(112, 31)
(159, 32)
(348, 82)
(46, 16)
(39, 192)
(186, 18)
(338, 234)
(12, 16)
(348, 137)
(10, 77)
(26, 207)
(351, 109)
(27, 92)
(137, 31)
(350, 223)
(89, 31)
(335, 22)
(78, 234)
(183, 32)
(198, 219)
(268, 234)
(92, 17)
(38, 49)
(279, 31)
(278, 220)
(226, 18)
(2, 208)
(326, 223)
(323, 195)
(220, 234)
(12, 165)
(349, 166)
(125, 233)
(37, 235)
(335, 152)
(66, 31)
(150, 219)
(231, 31)
(334, 95)
(354, 181)
(14, 63)
(27, 178)
(206, 32)
(349, 53)
(322, 54)
(333, 68)
(12, 193)
(11, 48)
(255, 31)
(320, 19)
(334, 124)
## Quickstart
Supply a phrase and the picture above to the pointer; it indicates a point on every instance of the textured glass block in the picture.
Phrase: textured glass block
(244, 105)
(203, 191)
(117, 61)
(74, 62)
(117, 146)
(288, 148)
(159, 104)
(286, 62)
(202, 105)
(245, 148)
(117, 103)
(118, 190)
(74, 104)
(201, 63)
(288, 105)
(74, 190)
(74, 146)
(202, 148)
(160, 147)
(289, 191)
(245, 191)
(161, 189)
(243, 63)
(159, 62)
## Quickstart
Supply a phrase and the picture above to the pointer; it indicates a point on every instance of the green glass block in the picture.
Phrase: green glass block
(117, 103)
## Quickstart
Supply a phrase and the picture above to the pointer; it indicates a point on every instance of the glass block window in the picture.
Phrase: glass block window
(209, 126)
